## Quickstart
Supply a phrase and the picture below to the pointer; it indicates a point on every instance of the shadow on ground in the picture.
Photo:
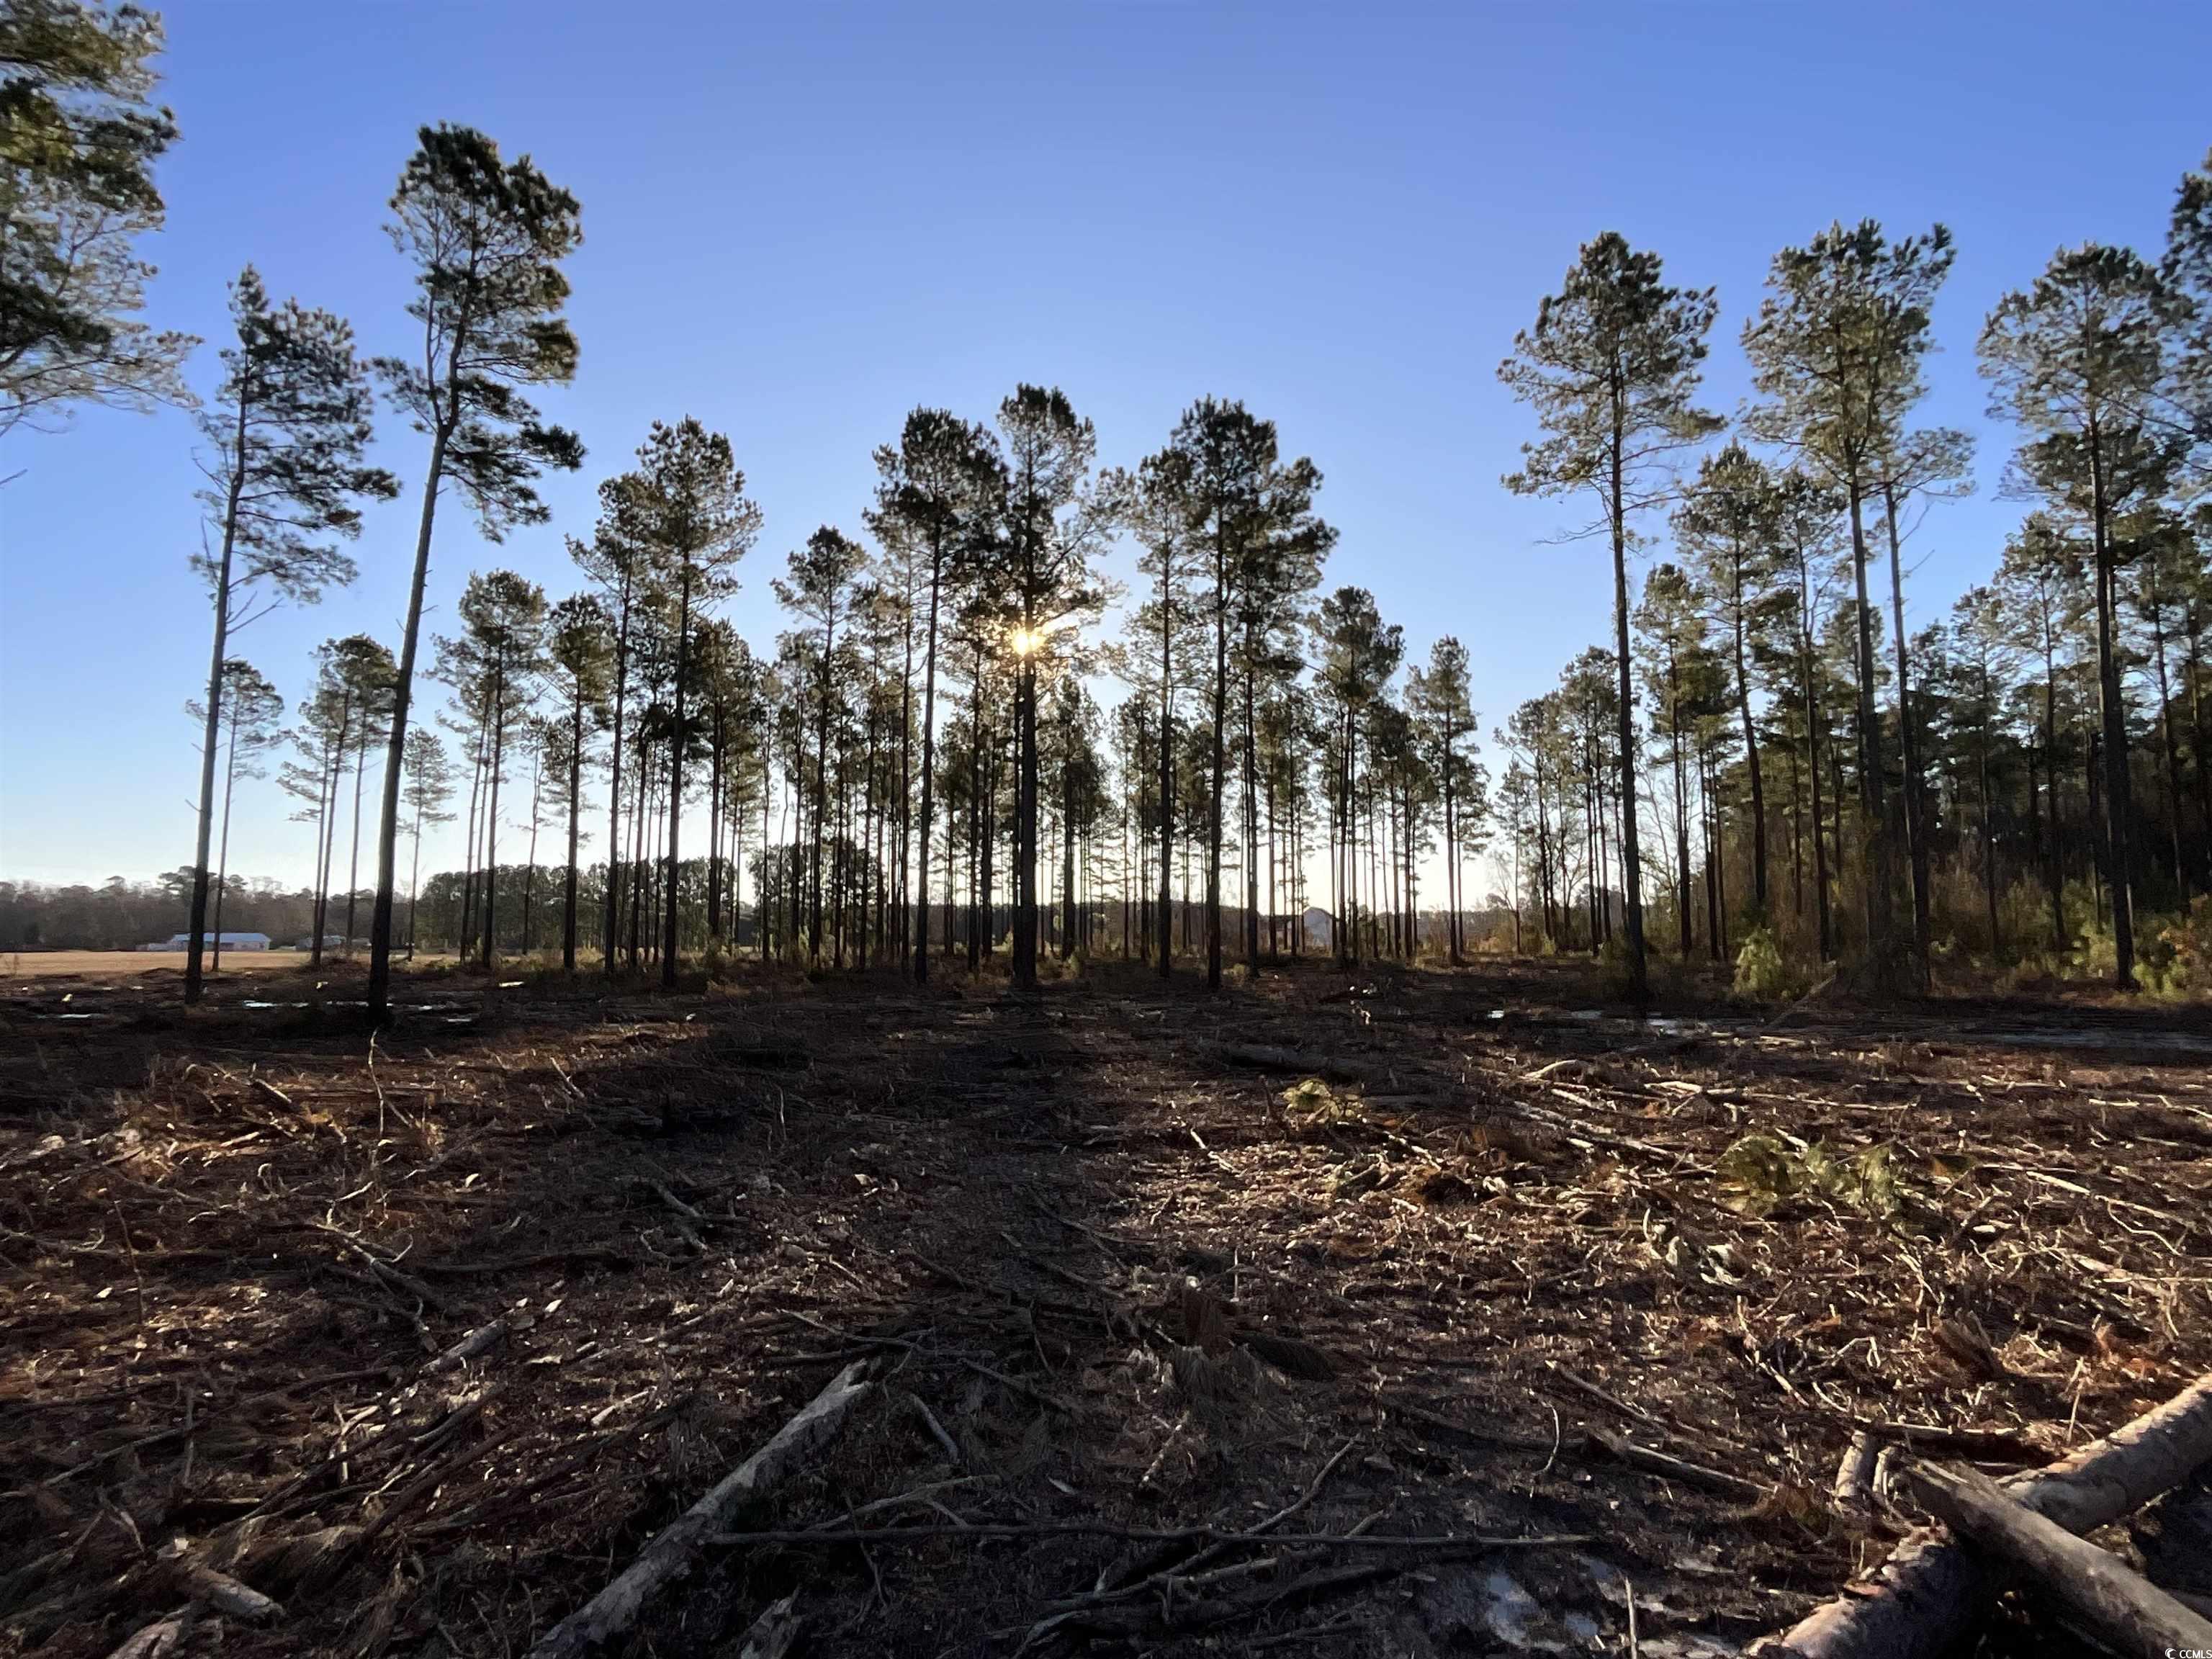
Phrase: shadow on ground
(1099, 1264)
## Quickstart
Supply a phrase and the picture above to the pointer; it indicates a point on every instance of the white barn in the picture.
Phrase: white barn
(229, 941)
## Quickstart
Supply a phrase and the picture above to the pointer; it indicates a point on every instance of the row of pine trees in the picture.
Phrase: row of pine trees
(923, 741)
(917, 765)
(2012, 779)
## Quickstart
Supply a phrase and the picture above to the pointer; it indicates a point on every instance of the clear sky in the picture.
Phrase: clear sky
(801, 221)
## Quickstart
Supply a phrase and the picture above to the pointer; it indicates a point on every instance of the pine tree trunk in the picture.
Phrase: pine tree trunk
(388, 834)
(222, 862)
(1166, 919)
(198, 923)
(575, 808)
(928, 772)
(2167, 734)
(1916, 830)
(675, 746)
(353, 857)
(1880, 877)
(2058, 861)
(1751, 754)
(1989, 833)
(1251, 807)
(491, 815)
(2118, 795)
(609, 922)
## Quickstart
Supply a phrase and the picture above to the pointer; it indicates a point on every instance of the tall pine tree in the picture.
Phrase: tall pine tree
(486, 239)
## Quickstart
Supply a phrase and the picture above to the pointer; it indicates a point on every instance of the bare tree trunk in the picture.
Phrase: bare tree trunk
(928, 773)
(222, 862)
(198, 924)
(1220, 762)
(1880, 874)
(576, 809)
(2119, 814)
(609, 922)
(388, 834)
(1632, 882)
(1916, 829)
(353, 858)
(675, 746)
(1024, 893)
(491, 814)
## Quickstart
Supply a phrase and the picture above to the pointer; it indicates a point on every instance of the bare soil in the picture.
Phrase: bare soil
(1496, 1276)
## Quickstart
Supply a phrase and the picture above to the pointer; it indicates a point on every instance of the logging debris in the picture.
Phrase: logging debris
(428, 1352)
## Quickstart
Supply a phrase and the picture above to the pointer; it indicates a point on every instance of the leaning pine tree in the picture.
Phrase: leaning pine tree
(1610, 368)
(286, 431)
(486, 238)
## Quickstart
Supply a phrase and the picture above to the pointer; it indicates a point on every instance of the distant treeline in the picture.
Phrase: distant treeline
(121, 916)
(529, 903)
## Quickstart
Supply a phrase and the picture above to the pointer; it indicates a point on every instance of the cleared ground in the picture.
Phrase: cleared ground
(1508, 1269)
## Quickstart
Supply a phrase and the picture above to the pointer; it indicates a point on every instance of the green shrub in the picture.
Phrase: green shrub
(1763, 974)
(1763, 1171)
(2190, 939)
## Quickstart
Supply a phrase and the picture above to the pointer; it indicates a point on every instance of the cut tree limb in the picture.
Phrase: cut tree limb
(1855, 1475)
(159, 1640)
(480, 1340)
(1265, 1057)
(227, 1595)
(1675, 1468)
(615, 1610)
(2095, 1588)
(1929, 1593)
(774, 1631)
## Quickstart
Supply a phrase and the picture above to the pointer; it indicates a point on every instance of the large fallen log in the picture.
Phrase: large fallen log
(2094, 1588)
(1267, 1057)
(2174, 1537)
(614, 1610)
(1930, 1592)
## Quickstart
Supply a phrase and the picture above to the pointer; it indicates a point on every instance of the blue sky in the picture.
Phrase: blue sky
(803, 221)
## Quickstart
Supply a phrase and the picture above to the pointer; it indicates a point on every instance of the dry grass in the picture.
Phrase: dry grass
(1099, 1252)
(111, 965)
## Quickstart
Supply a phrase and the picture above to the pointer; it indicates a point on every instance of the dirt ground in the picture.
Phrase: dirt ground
(1580, 1311)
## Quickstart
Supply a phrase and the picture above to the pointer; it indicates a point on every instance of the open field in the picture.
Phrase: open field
(109, 965)
(1515, 1273)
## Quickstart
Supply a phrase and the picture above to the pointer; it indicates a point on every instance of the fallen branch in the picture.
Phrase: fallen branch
(1592, 1445)
(1929, 1593)
(1133, 1618)
(1853, 1487)
(227, 1595)
(2124, 1612)
(774, 1631)
(158, 1640)
(936, 1430)
(1675, 1468)
(1443, 1541)
(1265, 1057)
(1172, 1569)
(479, 1341)
(614, 1610)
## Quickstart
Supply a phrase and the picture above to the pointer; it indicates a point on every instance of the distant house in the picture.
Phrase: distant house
(229, 941)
